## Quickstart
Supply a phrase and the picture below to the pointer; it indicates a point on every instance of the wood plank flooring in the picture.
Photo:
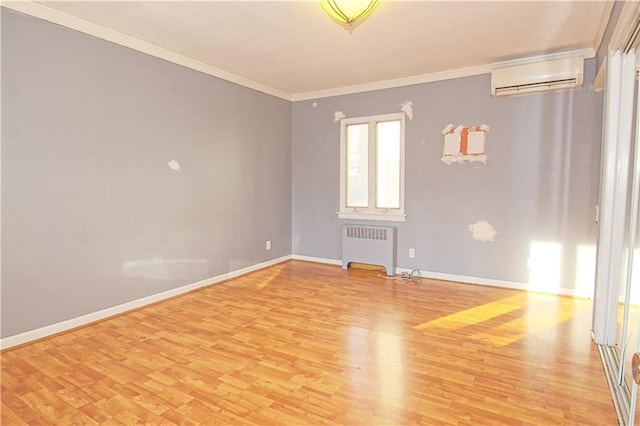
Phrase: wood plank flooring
(305, 343)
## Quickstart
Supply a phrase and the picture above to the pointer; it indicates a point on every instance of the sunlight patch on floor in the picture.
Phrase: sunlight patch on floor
(477, 314)
(270, 276)
(506, 331)
(544, 317)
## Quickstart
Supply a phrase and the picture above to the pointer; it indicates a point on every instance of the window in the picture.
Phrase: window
(372, 167)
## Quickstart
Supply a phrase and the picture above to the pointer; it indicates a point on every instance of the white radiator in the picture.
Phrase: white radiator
(375, 245)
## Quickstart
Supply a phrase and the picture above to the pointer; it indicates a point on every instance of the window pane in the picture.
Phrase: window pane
(388, 165)
(357, 165)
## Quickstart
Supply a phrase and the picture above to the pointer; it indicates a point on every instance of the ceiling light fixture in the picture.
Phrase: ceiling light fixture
(349, 13)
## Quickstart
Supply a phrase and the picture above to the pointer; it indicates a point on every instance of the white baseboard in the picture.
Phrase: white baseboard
(316, 259)
(494, 283)
(72, 323)
(463, 279)
(63, 326)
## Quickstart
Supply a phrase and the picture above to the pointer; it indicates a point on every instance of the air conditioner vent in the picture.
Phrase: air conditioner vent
(537, 77)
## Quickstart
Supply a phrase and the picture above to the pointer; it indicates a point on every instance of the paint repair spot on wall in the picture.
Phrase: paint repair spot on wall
(337, 116)
(407, 108)
(173, 165)
(315, 104)
(482, 231)
(464, 144)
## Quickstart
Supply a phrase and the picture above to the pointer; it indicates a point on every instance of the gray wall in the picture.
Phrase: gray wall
(540, 183)
(92, 215)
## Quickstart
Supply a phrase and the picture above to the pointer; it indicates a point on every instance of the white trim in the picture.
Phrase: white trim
(72, 323)
(371, 216)
(69, 21)
(370, 212)
(616, 149)
(316, 259)
(60, 327)
(73, 22)
(493, 283)
(437, 76)
(605, 298)
(460, 278)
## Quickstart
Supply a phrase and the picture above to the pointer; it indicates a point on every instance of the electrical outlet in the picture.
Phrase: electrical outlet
(268, 245)
(412, 253)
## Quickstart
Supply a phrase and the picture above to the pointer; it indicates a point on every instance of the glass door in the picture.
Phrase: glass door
(617, 303)
(627, 341)
(632, 263)
(634, 334)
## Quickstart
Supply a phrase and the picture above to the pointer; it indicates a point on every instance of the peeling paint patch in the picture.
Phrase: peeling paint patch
(407, 108)
(464, 144)
(337, 116)
(174, 165)
(482, 231)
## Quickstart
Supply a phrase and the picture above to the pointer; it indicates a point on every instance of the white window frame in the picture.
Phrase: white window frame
(370, 212)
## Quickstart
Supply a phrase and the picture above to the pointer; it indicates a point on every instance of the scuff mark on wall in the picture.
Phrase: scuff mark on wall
(407, 108)
(337, 116)
(464, 144)
(174, 165)
(482, 231)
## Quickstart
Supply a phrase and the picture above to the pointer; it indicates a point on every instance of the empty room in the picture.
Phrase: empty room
(320, 212)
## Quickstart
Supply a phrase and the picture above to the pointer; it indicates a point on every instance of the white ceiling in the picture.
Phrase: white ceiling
(295, 48)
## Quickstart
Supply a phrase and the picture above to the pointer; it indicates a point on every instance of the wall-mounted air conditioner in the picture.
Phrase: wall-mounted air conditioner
(537, 77)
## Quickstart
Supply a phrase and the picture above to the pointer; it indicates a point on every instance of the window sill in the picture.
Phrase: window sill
(372, 216)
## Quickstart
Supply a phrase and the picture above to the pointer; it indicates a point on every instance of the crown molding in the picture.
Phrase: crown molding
(69, 21)
(438, 76)
(40, 11)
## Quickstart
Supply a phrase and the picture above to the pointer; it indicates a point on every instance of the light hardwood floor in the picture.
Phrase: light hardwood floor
(305, 343)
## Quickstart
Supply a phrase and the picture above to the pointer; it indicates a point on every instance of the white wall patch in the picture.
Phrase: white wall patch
(482, 231)
(407, 108)
(451, 146)
(464, 144)
(337, 116)
(173, 165)
(315, 104)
